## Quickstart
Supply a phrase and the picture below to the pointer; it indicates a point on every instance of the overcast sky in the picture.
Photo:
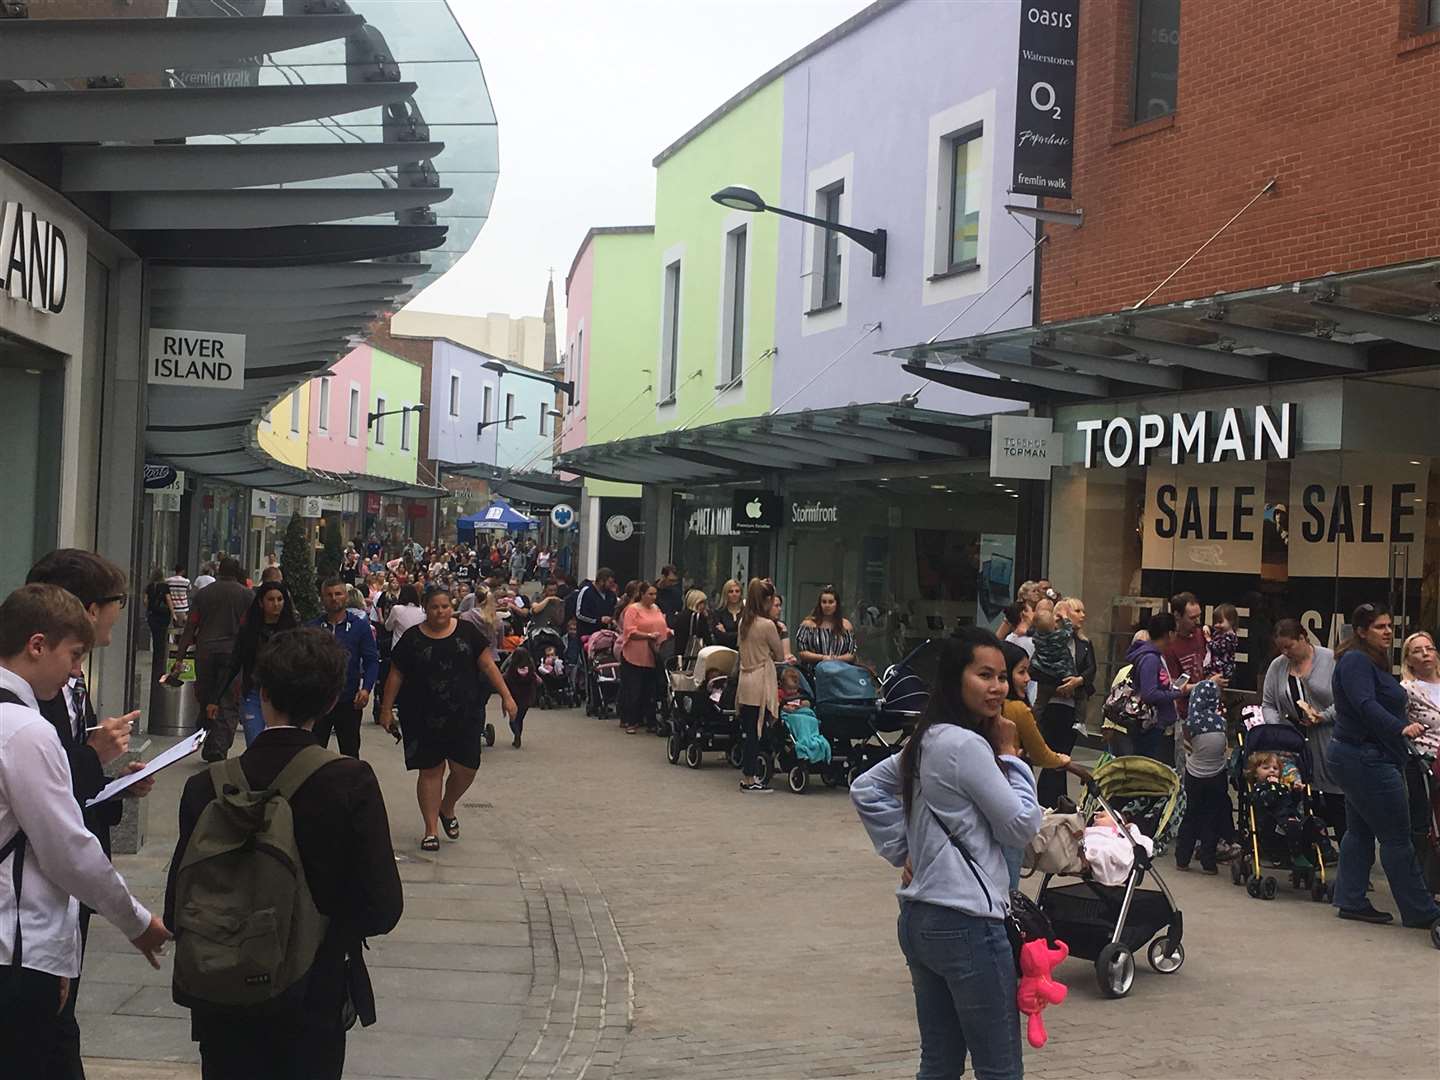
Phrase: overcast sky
(587, 92)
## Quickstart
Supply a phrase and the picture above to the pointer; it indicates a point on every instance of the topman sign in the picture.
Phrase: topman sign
(34, 259)
(1261, 434)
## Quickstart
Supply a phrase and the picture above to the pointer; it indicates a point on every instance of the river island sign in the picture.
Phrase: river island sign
(199, 358)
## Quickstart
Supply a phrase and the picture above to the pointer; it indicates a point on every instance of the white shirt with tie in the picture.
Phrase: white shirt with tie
(63, 860)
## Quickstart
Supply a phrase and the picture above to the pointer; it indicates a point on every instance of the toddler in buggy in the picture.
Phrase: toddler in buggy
(1277, 821)
(603, 689)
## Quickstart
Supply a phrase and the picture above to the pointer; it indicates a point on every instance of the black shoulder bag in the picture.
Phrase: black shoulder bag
(14, 846)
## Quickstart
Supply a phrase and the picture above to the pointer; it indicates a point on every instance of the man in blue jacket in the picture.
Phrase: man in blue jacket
(595, 603)
(353, 633)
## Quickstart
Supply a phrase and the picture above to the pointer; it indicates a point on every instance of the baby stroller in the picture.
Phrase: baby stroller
(555, 686)
(602, 696)
(703, 715)
(798, 769)
(1265, 846)
(1109, 924)
(1422, 776)
(904, 693)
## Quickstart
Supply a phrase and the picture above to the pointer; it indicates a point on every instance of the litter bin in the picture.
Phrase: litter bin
(173, 709)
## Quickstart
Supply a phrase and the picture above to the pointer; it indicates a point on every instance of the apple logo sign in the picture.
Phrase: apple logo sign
(754, 510)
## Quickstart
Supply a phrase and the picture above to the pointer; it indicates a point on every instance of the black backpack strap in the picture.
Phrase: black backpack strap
(15, 846)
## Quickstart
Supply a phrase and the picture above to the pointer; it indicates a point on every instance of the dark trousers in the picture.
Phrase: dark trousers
(305, 1053)
(28, 1029)
(1331, 807)
(637, 694)
(1057, 726)
(1208, 818)
(65, 1063)
(518, 724)
(344, 720)
(750, 731)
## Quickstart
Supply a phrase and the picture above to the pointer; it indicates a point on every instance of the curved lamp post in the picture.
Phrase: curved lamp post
(742, 198)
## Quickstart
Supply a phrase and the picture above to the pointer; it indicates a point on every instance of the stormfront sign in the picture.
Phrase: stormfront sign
(1045, 97)
(199, 358)
(1202, 438)
(34, 259)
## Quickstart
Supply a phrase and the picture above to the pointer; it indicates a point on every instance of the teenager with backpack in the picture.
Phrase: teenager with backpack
(269, 951)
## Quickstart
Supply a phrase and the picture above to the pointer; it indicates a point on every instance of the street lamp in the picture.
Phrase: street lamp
(483, 424)
(501, 368)
(370, 418)
(742, 198)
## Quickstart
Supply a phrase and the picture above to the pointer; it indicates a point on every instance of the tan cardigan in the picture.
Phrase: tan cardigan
(760, 650)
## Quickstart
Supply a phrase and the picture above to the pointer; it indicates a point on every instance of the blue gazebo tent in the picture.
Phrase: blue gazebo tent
(497, 515)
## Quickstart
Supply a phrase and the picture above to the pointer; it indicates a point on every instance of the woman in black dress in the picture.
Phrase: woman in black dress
(435, 673)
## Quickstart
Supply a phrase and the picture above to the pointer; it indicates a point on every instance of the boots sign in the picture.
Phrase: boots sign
(198, 358)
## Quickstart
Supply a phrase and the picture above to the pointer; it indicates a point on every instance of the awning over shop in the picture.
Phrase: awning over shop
(849, 437)
(540, 489)
(395, 489)
(1340, 324)
(277, 171)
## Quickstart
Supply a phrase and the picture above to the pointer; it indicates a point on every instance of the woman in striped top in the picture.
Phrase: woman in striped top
(825, 634)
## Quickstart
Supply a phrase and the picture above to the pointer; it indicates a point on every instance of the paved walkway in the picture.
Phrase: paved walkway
(753, 936)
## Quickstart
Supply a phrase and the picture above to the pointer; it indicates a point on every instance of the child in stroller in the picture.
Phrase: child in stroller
(1278, 823)
(1278, 794)
(602, 650)
(800, 719)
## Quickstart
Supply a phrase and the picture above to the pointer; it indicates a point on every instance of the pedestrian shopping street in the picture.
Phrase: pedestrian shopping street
(608, 915)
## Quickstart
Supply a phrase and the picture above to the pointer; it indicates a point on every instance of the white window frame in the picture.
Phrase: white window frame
(322, 422)
(729, 374)
(672, 324)
(543, 411)
(820, 179)
(487, 402)
(379, 421)
(973, 136)
(405, 412)
(455, 389)
(509, 412)
(579, 364)
(356, 399)
(295, 412)
(938, 285)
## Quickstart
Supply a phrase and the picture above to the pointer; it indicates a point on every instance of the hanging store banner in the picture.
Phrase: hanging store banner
(198, 358)
(1204, 518)
(1348, 510)
(1045, 97)
(163, 478)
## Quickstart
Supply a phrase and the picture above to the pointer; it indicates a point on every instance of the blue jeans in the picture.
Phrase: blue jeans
(1015, 861)
(964, 978)
(1377, 808)
(251, 719)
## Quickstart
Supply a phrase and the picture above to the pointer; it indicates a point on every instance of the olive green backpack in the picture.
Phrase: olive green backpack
(246, 928)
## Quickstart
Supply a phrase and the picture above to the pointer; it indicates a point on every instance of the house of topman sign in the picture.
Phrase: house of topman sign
(196, 358)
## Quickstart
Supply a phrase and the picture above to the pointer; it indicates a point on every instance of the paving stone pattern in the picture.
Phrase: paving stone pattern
(610, 916)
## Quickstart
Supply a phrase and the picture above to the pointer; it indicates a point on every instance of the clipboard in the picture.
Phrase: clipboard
(183, 749)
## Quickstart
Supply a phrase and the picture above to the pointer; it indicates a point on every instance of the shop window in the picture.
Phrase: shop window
(454, 395)
(509, 411)
(354, 412)
(379, 421)
(732, 342)
(295, 413)
(1157, 58)
(323, 422)
(829, 202)
(31, 385)
(963, 158)
(670, 334)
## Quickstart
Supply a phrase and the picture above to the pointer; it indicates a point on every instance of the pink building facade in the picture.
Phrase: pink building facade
(338, 407)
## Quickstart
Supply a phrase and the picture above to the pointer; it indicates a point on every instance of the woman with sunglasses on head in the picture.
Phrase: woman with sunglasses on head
(1367, 755)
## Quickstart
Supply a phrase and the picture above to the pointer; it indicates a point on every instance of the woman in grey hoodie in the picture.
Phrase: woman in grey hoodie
(945, 809)
(1298, 689)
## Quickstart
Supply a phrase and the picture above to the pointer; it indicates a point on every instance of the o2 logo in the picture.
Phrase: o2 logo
(1063, 20)
(1043, 98)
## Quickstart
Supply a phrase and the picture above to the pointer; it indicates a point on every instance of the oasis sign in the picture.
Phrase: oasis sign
(1260, 434)
(34, 259)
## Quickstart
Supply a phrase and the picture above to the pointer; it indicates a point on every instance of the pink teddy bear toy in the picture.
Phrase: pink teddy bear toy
(1037, 989)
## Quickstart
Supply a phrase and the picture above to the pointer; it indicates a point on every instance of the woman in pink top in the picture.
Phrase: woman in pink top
(642, 629)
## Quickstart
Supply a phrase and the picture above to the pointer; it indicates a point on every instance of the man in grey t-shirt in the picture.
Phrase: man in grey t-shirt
(216, 613)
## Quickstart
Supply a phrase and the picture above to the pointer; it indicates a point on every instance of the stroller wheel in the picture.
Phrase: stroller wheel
(673, 749)
(1268, 888)
(799, 778)
(692, 755)
(489, 734)
(1318, 891)
(736, 755)
(831, 776)
(1115, 970)
(763, 768)
(1435, 935)
(1165, 965)
(1252, 887)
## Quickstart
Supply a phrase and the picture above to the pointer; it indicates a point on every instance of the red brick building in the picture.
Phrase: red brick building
(1336, 101)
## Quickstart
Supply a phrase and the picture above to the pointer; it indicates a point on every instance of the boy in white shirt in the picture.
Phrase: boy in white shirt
(48, 857)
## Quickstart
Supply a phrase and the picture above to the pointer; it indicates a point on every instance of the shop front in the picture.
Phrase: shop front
(713, 538)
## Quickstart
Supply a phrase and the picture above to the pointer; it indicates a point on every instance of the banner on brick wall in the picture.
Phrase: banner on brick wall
(1045, 97)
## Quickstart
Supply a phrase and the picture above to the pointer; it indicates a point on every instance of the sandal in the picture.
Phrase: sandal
(430, 843)
(451, 826)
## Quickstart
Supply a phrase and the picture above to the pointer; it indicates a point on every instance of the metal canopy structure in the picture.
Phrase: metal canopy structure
(530, 488)
(1340, 324)
(850, 437)
(279, 173)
